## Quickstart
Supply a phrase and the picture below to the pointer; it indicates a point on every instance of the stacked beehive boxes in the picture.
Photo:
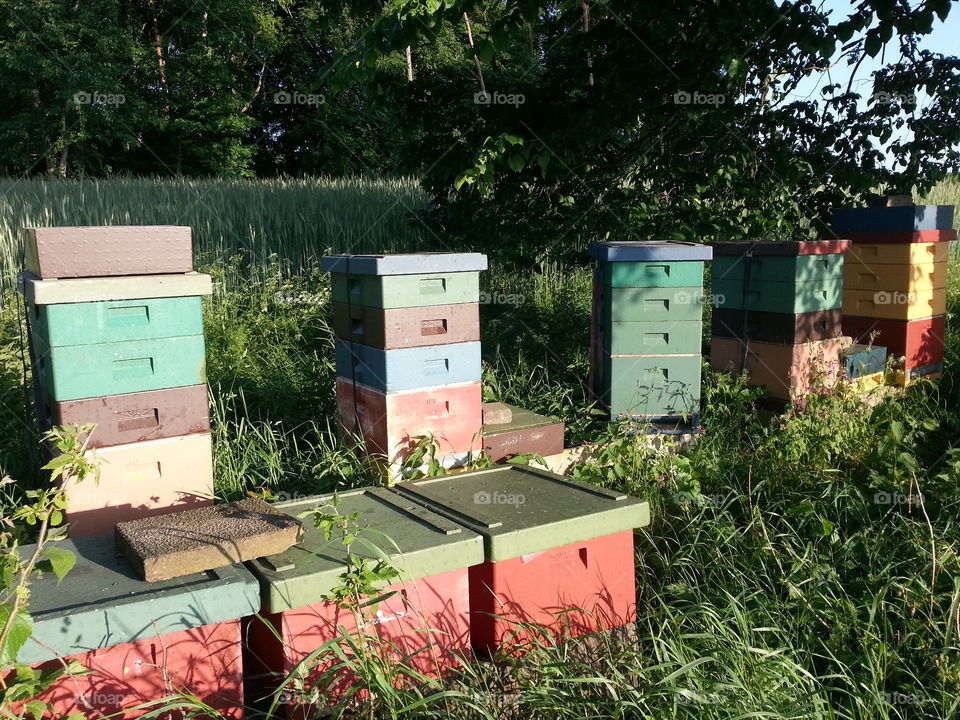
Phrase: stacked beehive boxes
(116, 337)
(895, 282)
(777, 312)
(408, 351)
(645, 356)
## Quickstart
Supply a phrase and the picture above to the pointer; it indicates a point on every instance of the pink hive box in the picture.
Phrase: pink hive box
(141, 479)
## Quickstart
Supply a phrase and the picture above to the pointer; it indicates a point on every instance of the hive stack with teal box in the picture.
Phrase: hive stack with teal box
(408, 352)
(646, 330)
(777, 313)
(116, 340)
(895, 291)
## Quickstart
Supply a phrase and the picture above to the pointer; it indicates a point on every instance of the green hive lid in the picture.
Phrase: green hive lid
(101, 602)
(646, 250)
(419, 543)
(520, 510)
(404, 264)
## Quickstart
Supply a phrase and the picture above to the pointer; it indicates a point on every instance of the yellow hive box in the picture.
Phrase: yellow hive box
(867, 383)
(868, 255)
(921, 277)
(895, 304)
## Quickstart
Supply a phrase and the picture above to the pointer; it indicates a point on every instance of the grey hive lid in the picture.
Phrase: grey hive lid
(898, 218)
(554, 510)
(646, 250)
(101, 602)
(404, 264)
(418, 542)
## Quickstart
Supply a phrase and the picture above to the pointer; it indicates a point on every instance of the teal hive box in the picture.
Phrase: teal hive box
(648, 250)
(101, 602)
(678, 273)
(650, 386)
(74, 372)
(653, 304)
(398, 291)
(783, 268)
(405, 280)
(778, 297)
(89, 323)
(652, 338)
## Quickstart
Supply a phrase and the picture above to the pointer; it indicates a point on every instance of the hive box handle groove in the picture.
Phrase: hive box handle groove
(132, 368)
(138, 419)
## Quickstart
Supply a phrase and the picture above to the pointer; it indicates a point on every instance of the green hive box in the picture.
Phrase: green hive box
(101, 602)
(654, 304)
(651, 386)
(419, 544)
(652, 274)
(779, 297)
(398, 291)
(652, 338)
(554, 511)
(88, 323)
(74, 372)
(783, 268)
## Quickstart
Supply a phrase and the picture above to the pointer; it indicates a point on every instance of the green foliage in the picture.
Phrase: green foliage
(361, 583)
(44, 511)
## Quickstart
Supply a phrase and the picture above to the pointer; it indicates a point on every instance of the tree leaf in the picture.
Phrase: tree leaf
(20, 631)
(61, 560)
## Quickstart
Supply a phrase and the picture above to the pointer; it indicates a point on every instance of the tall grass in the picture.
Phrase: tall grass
(299, 220)
(771, 584)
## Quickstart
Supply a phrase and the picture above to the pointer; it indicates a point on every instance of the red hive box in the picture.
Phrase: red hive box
(426, 620)
(134, 417)
(787, 371)
(141, 641)
(396, 328)
(390, 422)
(558, 553)
(920, 342)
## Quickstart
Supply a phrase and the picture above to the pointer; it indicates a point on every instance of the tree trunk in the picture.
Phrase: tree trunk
(409, 64)
(586, 28)
(476, 60)
(161, 61)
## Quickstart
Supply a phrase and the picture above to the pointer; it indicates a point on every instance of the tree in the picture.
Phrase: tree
(685, 131)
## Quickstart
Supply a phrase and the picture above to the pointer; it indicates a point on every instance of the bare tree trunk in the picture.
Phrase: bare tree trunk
(586, 28)
(476, 60)
(409, 64)
(161, 61)
(64, 151)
